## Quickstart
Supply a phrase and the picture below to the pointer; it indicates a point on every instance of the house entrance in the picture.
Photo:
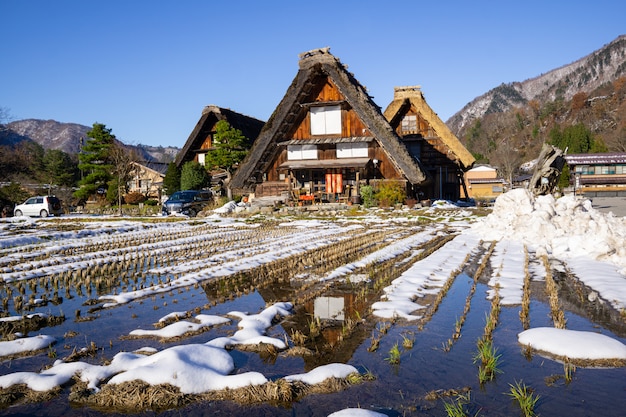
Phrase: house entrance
(327, 185)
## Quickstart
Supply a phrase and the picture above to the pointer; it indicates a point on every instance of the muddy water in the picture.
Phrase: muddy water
(397, 389)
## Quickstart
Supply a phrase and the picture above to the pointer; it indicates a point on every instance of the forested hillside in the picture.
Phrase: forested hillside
(581, 105)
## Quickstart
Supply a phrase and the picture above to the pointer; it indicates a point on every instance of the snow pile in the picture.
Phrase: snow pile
(321, 373)
(356, 412)
(226, 208)
(253, 327)
(26, 344)
(192, 368)
(180, 328)
(573, 344)
(565, 228)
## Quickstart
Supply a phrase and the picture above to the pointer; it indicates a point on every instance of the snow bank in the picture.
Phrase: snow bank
(321, 373)
(180, 328)
(567, 227)
(573, 344)
(27, 344)
(356, 412)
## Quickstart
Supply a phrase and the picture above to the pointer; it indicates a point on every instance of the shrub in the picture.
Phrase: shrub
(367, 196)
(390, 193)
(134, 198)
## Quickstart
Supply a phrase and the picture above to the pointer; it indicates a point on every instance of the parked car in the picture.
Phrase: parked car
(42, 206)
(188, 202)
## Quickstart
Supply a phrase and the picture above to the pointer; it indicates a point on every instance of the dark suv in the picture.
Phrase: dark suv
(188, 202)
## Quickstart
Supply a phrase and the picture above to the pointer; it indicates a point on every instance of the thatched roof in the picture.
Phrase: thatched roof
(211, 114)
(405, 98)
(314, 68)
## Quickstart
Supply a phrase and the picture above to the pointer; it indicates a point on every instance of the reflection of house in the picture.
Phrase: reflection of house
(147, 179)
(599, 174)
(200, 140)
(326, 137)
(482, 183)
(430, 141)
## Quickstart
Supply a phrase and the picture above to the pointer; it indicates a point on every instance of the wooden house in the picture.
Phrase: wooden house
(429, 140)
(325, 139)
(200, 140)
(147, 179)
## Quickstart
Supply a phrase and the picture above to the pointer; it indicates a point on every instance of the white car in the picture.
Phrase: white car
(41, 206)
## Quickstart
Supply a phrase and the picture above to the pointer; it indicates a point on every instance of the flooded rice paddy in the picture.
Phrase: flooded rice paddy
(89, 282)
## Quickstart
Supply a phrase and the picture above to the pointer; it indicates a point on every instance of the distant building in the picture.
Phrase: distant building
(147, 179)
(430, 141)
(482, 183)
(200, 140)
(598, 174)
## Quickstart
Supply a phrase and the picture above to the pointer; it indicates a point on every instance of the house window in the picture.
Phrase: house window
(352, 150)
(201, 160)
(296, 152)
(326, 120)
(409, 123)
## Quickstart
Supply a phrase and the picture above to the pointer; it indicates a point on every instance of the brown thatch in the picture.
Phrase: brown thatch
(211, 114)
(405, 98)
(316, 67)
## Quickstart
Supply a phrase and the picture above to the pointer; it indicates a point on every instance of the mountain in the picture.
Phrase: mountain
(586, 75)
(51, 134)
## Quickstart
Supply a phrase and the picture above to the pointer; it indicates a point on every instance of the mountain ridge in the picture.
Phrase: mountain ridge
(583, 75)
(67, 137)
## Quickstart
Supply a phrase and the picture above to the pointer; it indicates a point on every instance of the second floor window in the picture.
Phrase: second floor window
(352, 150)
(326, 120)
(296, 152)
(409, 123)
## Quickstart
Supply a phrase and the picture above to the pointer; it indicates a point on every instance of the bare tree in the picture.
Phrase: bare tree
(507, 158)
(123, 161)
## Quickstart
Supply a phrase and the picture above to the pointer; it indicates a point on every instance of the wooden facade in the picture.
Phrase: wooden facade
(325, 139)
(200, 141)
(147, 179)
(430, 141)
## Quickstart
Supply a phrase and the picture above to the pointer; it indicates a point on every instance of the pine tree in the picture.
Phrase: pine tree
(230, 147)
(94, 162)
(171, 182)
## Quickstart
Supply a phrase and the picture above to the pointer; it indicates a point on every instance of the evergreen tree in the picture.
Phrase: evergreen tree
(171, 182)
(194, 176)
(59, 167)
(94, 161)
(230, 147)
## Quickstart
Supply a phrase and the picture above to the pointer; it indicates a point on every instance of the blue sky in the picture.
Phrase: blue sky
(146, 69)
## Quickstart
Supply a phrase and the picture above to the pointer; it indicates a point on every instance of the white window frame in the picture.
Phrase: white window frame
(352, 150)
(299, 152)
(409, 123)
(325, 120)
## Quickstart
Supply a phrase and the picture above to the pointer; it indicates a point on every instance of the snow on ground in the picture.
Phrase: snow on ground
(26, 344)
(592, 245)
(180, 328)
(356, 412)
(426, 276)
(193, 368)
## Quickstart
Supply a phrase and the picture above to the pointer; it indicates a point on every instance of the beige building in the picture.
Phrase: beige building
(147, 180)
(482, 183)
